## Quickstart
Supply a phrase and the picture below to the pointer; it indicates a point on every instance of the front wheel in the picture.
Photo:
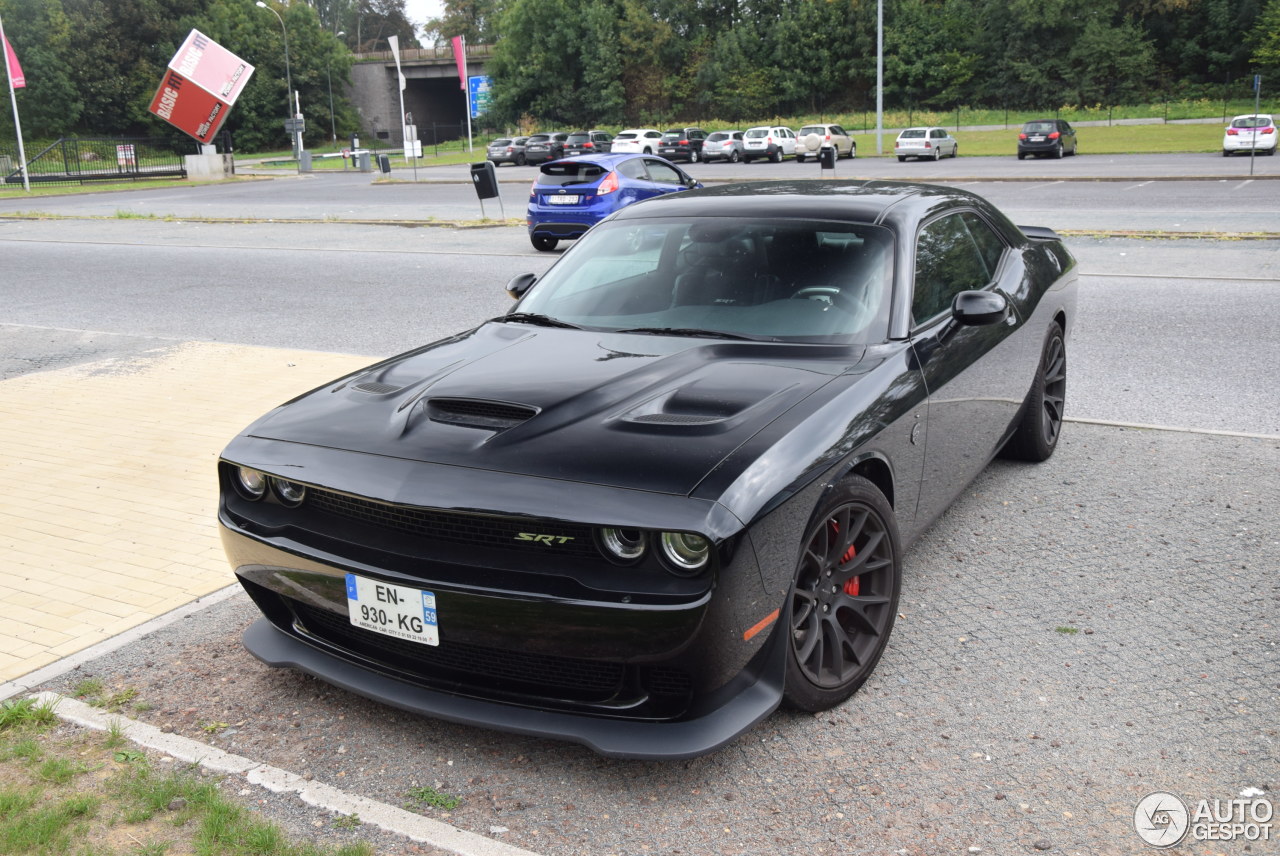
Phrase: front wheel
(542, 244)
(1057, 152)
(853, 150)
(844, 596)
(955, 150)
(1041, 424)
(693, 157)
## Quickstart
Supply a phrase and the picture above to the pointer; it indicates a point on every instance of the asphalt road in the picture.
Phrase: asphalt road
(1156, 317)
(1087, 193)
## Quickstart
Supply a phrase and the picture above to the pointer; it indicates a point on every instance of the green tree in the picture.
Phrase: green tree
(1264, 39)
(40, 34)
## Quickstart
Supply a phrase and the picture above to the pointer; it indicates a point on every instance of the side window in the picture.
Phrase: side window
(989, 243)
(948, 261)
(662, 173)
(633, 168)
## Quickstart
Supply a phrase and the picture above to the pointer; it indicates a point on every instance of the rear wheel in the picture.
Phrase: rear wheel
(776, 156)
(1057, 151)
(1022, 155)
(902, 158)
(799, 158)
(733, 156)
(844, 596)
(542, 244)
(1037, 433)
(955, 150)
(853, 150)
(937, 154)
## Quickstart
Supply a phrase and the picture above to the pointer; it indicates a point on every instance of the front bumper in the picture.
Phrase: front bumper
(629, 661)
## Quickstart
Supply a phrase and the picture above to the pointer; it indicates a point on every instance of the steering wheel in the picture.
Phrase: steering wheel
(831, 295)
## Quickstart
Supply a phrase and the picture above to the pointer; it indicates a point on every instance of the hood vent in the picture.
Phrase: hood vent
(372, 386)
(470, 413)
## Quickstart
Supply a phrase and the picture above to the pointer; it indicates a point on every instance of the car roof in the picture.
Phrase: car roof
(636, 130)
(608, 159)
(923, 128)
(858, 201)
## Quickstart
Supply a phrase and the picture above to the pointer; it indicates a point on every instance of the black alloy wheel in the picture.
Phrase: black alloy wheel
(1037, 433)
(844, 596)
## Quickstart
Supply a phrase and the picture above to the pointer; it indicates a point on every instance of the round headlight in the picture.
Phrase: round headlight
(250, 484)
(289, 493)
(685, 552)
(623, 545)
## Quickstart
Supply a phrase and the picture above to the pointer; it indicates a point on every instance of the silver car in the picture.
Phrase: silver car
(812, 139)
(935, 143)
(723, 145)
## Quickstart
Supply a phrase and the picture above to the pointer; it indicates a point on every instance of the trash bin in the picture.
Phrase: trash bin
(485, 178)
(304, 162)
(384, 163)
(827, 157)
(365, 164)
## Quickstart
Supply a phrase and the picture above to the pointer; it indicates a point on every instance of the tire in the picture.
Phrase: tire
(776, 156)
(1057, 152)
(1022, 155)
(693, 156)
(733, 156)
(1040, 425)
(648, 151)
(853, 151)
(1226, 154)
(955, 150)
(520, 159)
(544, 245)
(937, 154)
(799, 158)
(902, 158)
(843, 598)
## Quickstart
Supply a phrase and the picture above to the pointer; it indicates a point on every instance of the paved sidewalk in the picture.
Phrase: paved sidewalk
(108, 515)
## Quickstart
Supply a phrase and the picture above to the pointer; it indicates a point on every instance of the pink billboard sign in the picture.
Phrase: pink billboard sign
(212, 67)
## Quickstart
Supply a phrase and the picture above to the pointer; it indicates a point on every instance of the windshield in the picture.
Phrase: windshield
(790, 281)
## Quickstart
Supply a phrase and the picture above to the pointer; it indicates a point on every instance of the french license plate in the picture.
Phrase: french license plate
(1037, 139)
(399, 611)
(562, 200)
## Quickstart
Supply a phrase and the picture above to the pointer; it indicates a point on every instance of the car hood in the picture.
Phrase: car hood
(653, 413)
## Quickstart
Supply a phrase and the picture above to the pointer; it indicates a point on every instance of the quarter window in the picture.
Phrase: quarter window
(955, 253)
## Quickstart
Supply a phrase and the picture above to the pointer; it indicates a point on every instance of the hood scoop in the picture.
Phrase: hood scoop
(475, 413)
(376, 388)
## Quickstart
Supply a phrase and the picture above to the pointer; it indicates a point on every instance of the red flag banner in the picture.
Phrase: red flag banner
(16, 77)
(460, 56)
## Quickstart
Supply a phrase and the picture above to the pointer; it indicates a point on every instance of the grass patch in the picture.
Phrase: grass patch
(74, 792)
(1114, 140)
(429, 796)
(1067, 631)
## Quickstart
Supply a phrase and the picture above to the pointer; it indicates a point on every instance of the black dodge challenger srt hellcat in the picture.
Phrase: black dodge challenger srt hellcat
(672, 488)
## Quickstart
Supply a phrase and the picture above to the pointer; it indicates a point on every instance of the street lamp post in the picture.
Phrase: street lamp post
(328, 70)
(288, 80)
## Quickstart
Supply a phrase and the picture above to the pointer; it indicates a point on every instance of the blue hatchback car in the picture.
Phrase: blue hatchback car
(570, 196)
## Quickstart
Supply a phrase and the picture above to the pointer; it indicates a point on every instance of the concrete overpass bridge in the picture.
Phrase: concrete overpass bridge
(432, 94)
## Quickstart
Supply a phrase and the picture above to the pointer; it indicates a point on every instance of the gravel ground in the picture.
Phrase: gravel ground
(1075, 635)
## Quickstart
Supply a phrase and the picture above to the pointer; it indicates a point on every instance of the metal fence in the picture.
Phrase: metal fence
(74, 160)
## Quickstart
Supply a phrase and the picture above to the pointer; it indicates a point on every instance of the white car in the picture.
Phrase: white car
(935, 143)
(1250, 133)
(641, 141)
(768, 141)
(811, 139)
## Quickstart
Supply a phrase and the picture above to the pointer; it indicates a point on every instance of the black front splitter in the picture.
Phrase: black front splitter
(659, 741)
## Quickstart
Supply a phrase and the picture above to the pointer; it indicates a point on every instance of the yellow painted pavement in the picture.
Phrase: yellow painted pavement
(108, 489)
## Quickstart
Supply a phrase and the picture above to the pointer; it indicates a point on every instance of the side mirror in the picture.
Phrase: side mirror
(979, 308)
(691, 183)
(520, 284)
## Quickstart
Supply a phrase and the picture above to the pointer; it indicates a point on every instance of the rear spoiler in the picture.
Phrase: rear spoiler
(1040, 233)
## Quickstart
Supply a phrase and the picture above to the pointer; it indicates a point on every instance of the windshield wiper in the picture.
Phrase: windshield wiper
(690, 331)
(535, 318)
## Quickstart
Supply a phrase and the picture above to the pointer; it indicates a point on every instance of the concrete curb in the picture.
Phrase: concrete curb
(396, 820)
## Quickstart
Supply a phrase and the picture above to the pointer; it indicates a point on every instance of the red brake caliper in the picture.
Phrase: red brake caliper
(853, 585)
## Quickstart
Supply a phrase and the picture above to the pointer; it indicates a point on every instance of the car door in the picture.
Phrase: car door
(975, 381)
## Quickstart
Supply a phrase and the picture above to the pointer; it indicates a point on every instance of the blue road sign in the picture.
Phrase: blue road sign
(479, 92)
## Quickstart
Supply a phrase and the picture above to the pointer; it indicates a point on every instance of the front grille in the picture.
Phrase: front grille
(470, 665)
(566, 539)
